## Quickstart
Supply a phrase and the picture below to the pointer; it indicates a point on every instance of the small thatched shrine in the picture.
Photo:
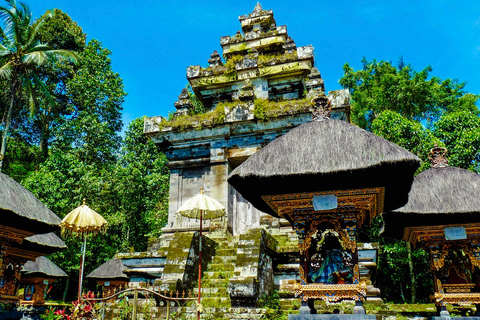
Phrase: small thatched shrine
(36, 277)
(442, 216)
(24, 233)
(328, 178)
(110, 276)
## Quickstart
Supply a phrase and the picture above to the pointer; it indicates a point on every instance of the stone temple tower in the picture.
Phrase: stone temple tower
(263, 90)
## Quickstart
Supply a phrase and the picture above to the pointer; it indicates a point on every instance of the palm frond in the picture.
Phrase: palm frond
(28, 87)
(6, 70)
(42, 86)
(8, 18)
(39, 47)
(34, 29)
(4, 52)
(64, 55)
(37, 58)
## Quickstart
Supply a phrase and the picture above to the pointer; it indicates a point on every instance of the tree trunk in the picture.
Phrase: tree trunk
(65, 291)
(412, 274)
(8, 121)
(44, 135)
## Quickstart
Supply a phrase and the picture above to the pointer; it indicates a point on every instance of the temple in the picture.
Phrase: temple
(264, 87)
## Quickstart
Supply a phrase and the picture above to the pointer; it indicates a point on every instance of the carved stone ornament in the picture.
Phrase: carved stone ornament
(321, 108)
(437, 156)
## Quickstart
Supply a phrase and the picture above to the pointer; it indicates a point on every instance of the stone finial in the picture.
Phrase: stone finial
(321, 107)
(314, 73)
(183, 94)
(437, 157)
(246, 92)
(183, 103)
(315, 81)
(215, 59)
(289, 45)
(258, 8)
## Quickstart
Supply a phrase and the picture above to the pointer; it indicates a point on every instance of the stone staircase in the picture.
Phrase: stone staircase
(215, 297)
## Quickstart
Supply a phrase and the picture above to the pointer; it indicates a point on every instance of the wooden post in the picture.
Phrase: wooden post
(135, 301)
(200, 268)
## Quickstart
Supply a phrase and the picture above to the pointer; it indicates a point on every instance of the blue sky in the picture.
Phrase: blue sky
(154, 41)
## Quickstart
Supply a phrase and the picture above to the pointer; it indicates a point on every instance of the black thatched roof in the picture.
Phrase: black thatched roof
(20, 208)
(112, 269)
(438, 196)
(326, 155)
(42, 267)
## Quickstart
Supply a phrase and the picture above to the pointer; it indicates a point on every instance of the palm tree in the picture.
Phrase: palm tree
(20, 55)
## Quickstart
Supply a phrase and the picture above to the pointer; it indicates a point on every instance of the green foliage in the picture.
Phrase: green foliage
(460, 132)
(379, 86)
(231, 64)
(130, 192)
(406, 133)
(269, 59)
(198, 106)
(266, 109)
(50, 315)
(20, 56)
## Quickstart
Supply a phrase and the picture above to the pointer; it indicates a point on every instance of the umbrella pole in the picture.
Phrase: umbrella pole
(82, 263)
(200, 267)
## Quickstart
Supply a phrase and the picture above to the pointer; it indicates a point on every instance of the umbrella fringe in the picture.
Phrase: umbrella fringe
(68, 232)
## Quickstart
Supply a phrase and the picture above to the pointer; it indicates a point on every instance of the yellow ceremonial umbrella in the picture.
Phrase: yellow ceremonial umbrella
(201, 207)
(81, 222)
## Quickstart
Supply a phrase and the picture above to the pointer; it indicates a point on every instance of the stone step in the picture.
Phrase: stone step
(210, 283)
(214, 291)
(224, 259)
(220, 267)
(217, 275)
(226, 252)
(217, 302)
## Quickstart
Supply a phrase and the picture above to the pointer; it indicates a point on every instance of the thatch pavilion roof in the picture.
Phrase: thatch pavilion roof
(42, 267)
(20, 208)
(45, 243)
(326, 155)
(110, 270)
(442, 195)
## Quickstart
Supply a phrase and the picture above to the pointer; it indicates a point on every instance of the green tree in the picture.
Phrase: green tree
(130, 192)
(380, 86)
(141, 171)
(95, 94)
(460, 133)
(20, 54)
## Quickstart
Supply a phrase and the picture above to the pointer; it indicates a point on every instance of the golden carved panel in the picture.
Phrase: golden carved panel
(331, 292)
(369, 200)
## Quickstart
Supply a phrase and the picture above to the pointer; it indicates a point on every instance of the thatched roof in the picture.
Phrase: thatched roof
(438, 196)
(326, 155)
(42, 267)
(112, 269)
(46, 243)
(20, 208)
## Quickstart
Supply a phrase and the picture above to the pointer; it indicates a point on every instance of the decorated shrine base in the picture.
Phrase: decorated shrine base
(334, 317)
